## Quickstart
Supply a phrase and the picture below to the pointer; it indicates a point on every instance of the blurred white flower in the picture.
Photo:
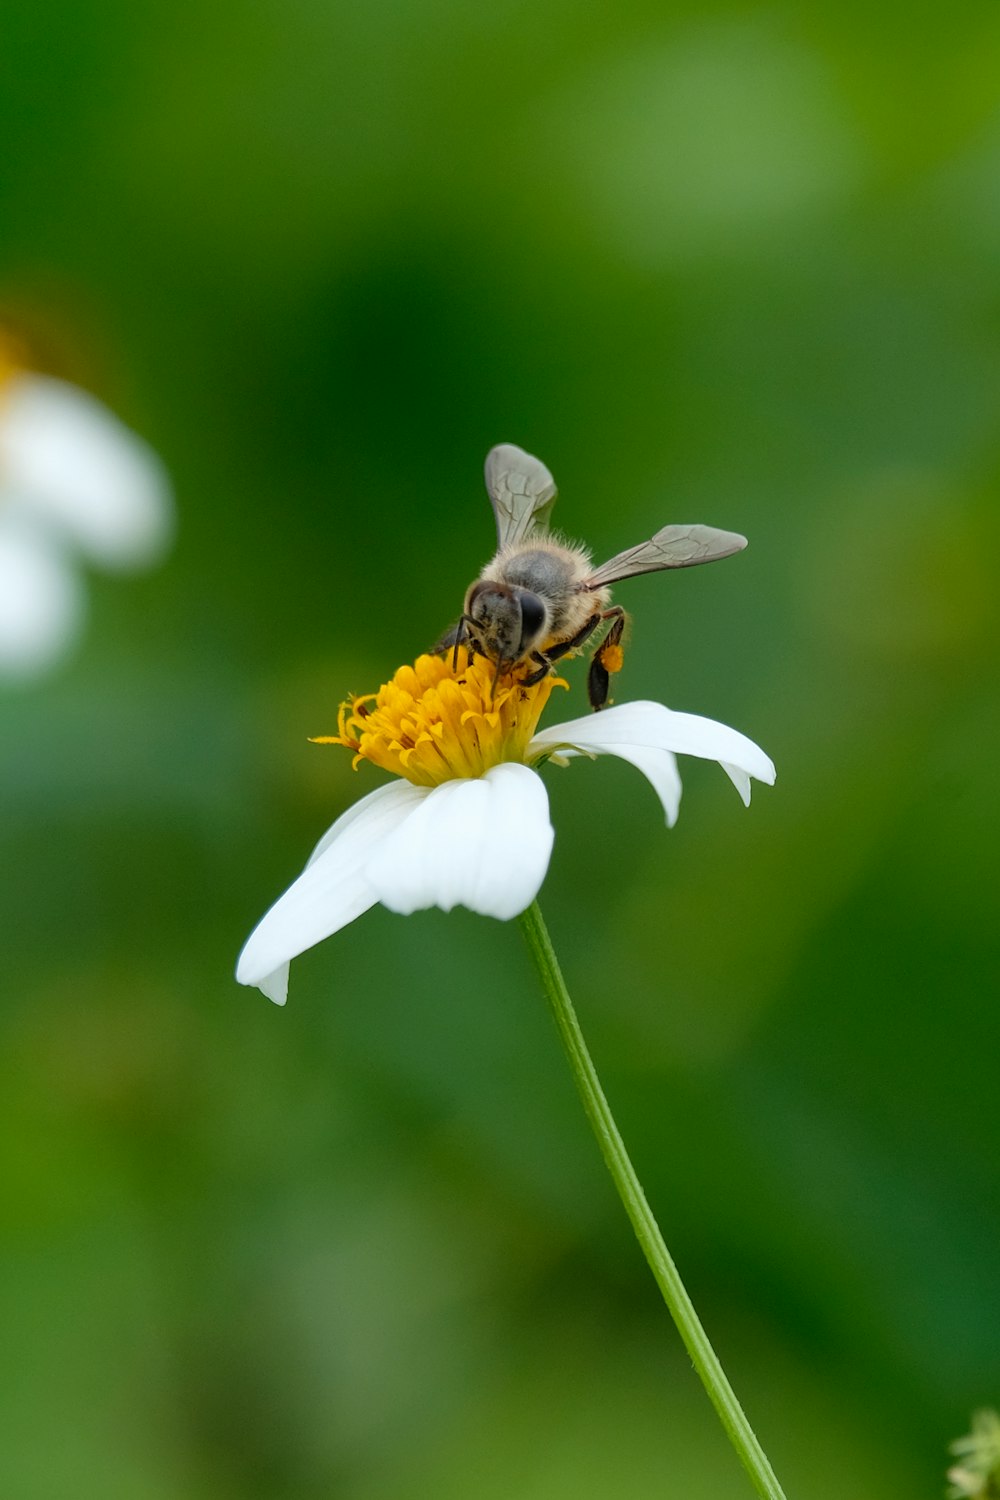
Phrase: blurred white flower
(977, 1477)
(468, 823)
(75, 484)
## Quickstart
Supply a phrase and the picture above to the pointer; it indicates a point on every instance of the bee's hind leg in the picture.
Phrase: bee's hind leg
(607, 660)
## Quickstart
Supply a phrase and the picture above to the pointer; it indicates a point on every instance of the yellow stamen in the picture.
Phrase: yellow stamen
(432, 724)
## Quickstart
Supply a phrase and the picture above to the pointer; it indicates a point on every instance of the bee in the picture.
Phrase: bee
(541, 598)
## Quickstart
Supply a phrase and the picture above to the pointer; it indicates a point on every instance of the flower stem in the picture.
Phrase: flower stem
(703, 1356)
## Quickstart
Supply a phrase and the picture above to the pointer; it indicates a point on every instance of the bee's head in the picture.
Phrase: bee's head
(508, 622)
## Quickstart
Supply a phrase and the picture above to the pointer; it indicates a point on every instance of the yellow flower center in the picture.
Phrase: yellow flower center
(11, 358)
(431, 723)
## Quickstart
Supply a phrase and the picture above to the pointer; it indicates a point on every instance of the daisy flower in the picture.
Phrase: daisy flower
(466, 821)
(978, 1475)
(75, 484)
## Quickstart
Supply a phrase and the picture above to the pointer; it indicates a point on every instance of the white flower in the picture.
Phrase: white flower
(474, 830)
(74, 481)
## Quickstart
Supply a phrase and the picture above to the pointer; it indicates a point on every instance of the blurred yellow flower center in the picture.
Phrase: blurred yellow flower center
(432, 724)
(11, 361)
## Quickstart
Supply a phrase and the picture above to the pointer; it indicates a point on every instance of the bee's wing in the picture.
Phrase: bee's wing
(673, 547)
(522, 490)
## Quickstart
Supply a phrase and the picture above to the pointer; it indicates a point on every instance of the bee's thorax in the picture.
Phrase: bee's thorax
(553, 571)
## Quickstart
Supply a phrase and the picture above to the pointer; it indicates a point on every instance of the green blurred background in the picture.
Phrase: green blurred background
(737, 264)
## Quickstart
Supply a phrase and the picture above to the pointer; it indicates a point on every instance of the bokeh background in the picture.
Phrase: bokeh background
(731, 263)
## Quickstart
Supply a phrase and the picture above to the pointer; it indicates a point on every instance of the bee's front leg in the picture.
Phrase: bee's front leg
(607, 659)
(543, 669)
(546, 659)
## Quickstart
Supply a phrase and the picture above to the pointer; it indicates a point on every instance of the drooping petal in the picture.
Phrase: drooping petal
(482, 843)
(331, 891)
(660, 769)
(41, 602)
(639, 732)
(658, 766)
(275, 985)
(68, 461)
(740, 780)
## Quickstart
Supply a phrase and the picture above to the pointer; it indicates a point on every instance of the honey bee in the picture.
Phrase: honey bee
(541, 598)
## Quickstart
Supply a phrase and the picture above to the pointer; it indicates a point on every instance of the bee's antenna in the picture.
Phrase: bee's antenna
(496, 679)
(465, 630)
(459, 638)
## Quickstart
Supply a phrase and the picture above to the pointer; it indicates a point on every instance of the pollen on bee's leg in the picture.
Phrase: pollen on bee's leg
(609, 654)
(606, 661)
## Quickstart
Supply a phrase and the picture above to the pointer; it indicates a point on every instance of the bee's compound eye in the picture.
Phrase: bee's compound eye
(475, 597)
(533, 618)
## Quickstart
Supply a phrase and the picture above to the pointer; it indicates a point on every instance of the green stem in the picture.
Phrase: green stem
(703, 1356)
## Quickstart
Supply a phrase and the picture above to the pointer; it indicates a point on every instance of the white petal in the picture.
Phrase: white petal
(658, 766)
(67, 460)
(484, 844)
(41, 603)
(331, 891)
(740, 780)
(275, 986)
(660, 769)
(653, 726)
(387, 796)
